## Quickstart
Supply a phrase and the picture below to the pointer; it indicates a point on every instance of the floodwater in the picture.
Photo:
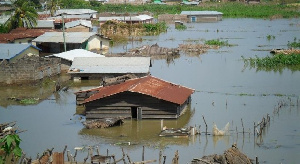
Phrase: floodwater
(225, 91)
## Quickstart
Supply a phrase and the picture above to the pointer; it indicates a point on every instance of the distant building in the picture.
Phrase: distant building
(127, 19)
(13, 52)
(22, 35)
(53, 42)
(203, 16)
(147, 97)
(100, 68)
(79, 26)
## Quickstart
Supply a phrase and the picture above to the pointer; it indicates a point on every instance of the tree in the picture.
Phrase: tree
(24, 15)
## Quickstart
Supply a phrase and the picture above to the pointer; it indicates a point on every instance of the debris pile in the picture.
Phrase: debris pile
(285, 52)
(117, 80)
(153, 50)
(199, 48)
(103, 123)
(230, 156)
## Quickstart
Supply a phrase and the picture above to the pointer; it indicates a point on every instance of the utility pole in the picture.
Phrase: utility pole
(63, 27)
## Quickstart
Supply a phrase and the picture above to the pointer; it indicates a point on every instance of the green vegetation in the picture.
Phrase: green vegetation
(216, 42)
(180, 27)
(154, 29)
(29, 101)
(229, 9)
(269, 37)
(294, 44)
(10, 148)
(275, 63)
(24, 15)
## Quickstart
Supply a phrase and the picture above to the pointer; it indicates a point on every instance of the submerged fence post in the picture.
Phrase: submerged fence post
(205, 124)
(143, 155)
(159, 158)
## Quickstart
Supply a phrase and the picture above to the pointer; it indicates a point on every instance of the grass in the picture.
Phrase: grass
(274, 63)
(29, 101)
(270, 37)
(294, 44)
(180, 27)
(216, 42)
(229, 9)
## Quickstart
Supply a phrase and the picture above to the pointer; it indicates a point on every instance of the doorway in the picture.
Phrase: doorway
(136, 113)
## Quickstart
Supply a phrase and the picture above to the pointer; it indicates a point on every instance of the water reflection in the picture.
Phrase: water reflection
(140, 131)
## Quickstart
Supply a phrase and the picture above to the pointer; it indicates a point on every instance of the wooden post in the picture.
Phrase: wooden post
(159, 158)
(242, 125)
(124, 156)
(98, 151)
(256, 160)
(128, 159)
(205, 124)
(254, 129)
(161, 124)
(91, 153)
(107, 152)
(164, 159)
(143, 155)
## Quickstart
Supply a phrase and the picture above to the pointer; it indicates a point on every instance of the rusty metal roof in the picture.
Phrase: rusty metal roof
(147, 85)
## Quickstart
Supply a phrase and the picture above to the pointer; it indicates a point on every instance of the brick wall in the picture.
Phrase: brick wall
(28, 69)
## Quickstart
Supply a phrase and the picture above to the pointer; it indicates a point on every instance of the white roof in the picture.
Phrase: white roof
(70, 55)
(79, 22)
(45, 24)
(75, 11)
(111, 65)
(70, 37)
(127, 18)
(201, 13)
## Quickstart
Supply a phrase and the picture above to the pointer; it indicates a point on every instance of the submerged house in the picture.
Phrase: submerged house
(79, 26)
(53, 42)
(87, 68)
(127, 19)
(13, 52)
(67, 57)
(203, 16)
(147, 97)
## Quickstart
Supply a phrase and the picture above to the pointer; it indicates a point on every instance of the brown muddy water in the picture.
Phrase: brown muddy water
(226, 91)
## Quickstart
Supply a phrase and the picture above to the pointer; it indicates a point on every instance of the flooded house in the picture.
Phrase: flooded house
(88, 68)
(12, 52)
(147, 97)
(203, 16)
(23, 35)
(20, 63)
(131, 19)
(79, 26)
(53, 42)
(67, 57)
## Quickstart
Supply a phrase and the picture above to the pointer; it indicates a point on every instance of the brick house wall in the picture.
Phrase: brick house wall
(28, 69)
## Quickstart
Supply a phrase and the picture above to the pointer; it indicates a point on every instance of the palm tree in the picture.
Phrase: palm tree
(24, 15)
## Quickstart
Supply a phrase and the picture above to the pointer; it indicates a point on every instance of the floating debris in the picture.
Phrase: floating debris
(285, 52)
(103, 123)
(230, 156)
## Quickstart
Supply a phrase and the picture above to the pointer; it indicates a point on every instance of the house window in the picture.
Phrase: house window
(193, 19)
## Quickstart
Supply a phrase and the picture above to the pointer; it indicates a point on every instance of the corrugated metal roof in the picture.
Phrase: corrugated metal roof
(8, 51)
(111, 65)
(147, 85)
(75, 11)
(127, 18)
(70, 55)
(45, 24)
(201, 13)
(70, 37)
(79, 22)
